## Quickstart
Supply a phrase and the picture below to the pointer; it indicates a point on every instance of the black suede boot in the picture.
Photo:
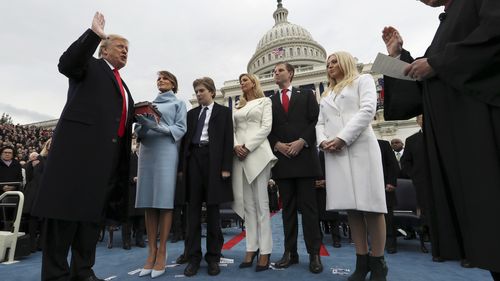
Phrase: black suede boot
(379, 268)
(362, 268)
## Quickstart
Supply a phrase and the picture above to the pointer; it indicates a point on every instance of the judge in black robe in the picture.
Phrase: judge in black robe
(458, 92)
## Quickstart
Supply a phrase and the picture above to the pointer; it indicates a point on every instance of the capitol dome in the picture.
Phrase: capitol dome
(288, 42)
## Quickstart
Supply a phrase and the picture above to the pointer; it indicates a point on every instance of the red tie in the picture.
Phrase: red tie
(284, 99)
(123, 118)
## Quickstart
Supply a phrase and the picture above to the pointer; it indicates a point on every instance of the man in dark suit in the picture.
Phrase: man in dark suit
(93, 134)
(207, 160)
(293, 139)
(391, 171)
(10, 171)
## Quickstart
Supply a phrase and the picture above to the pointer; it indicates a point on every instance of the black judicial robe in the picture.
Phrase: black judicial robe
(461, 107)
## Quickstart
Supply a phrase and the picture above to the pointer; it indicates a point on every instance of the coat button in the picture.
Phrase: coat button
(114, 140)
(117, 119)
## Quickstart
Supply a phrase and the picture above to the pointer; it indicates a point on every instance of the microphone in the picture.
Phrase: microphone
(442, 16)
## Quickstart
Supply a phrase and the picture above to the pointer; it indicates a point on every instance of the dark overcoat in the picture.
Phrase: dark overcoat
(461, 106)
(220, 134)
(75, 183)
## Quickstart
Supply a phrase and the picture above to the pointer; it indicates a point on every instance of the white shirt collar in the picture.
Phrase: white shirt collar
(109, 64)
(210, 106)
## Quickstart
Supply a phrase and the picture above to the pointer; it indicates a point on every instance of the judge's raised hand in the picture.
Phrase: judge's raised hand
(98, 25)
(420, 69)
(393, 41)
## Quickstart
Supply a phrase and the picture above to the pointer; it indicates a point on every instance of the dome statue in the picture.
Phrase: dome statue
(285, 41)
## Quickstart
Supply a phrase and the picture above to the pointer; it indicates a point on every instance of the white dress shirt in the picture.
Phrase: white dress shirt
(204, 132)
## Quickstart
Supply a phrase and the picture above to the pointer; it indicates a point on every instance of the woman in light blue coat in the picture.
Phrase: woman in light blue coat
(157, 168)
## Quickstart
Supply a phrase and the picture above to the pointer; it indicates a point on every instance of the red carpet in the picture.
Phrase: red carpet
(235, 240)
(323, 251)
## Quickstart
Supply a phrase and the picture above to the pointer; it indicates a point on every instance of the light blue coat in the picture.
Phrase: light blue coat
(159, 153)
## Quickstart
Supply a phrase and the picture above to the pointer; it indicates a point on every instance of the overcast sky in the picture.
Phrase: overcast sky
(192, 39)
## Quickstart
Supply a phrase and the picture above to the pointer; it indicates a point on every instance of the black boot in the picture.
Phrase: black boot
(362, 268)
(379, 268)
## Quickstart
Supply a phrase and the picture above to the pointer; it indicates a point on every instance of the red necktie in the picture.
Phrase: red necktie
(123, 118)
(284, 99)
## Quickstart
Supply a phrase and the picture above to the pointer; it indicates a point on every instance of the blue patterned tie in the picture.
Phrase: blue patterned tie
(199, 126)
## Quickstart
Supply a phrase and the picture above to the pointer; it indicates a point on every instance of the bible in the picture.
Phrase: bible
(146, 107)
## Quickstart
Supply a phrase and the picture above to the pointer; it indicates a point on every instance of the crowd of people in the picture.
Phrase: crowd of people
(24, 139)
(228, 156)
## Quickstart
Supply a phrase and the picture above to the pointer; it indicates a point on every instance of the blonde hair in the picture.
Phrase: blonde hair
(106, 42)
(257, 90)
(46, 148)
(347, 65)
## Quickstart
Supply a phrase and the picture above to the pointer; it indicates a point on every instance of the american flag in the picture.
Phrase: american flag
(380, 99)
(278, 51)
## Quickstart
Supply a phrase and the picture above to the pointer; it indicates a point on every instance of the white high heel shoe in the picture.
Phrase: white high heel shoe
(157, 273)
(145, 272)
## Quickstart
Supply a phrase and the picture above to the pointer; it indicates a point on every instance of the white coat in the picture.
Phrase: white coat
(252, 124)
(354, 175)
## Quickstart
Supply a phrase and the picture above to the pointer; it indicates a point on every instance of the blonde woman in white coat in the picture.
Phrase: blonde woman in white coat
(252, 169)
(354, 175)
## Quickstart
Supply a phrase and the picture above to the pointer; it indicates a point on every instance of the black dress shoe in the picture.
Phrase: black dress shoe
(191, 269)
(92, 278)
(246, 264)
(213, 268)
(288, 259)
(315, 265)
(182, 259)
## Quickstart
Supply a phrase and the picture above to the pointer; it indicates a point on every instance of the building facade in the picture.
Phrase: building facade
(288, 42)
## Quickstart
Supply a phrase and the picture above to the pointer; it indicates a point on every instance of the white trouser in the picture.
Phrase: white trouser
(257, 219)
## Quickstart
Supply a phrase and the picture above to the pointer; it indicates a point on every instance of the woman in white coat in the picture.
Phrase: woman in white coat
(252, 169)
(354, 175)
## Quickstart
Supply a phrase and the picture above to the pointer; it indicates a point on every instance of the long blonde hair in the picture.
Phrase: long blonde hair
(347, 65)
(257, 90)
